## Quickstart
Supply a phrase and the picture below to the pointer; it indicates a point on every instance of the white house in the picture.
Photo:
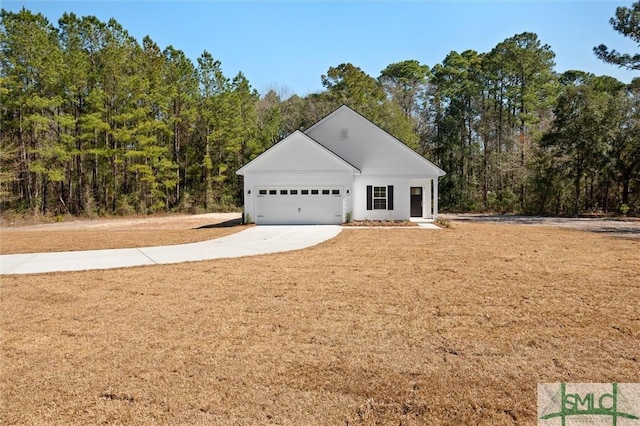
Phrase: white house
(342, 168)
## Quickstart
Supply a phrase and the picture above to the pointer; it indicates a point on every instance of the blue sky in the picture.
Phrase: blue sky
(288, 45)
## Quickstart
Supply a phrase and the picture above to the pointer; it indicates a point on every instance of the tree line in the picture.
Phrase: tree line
(94, 122)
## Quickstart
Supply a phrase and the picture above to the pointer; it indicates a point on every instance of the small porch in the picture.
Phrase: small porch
(423, 199)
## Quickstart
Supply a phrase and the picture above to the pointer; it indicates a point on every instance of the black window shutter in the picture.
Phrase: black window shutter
(369, 197)
(390, 197)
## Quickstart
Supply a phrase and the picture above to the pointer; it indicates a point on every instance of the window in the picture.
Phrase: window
(272, 192)
(283, 192)
(293, 192)
(314, 192)
(335, 192)
(325, 192)
(379, 197)
(304, 192)
(262, 192)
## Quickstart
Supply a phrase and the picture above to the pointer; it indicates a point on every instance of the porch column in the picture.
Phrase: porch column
(426, 200)
(435, 198)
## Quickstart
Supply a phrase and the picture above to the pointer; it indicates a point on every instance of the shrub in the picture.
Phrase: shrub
(442, 222)
(503, 201)
(348, 217)
(624, 209)
(123, 206)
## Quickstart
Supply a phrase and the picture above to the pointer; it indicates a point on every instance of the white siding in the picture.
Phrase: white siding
(296, 153)
(401, 197)
(369, 148)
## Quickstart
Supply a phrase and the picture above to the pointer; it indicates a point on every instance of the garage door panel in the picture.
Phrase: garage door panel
(299, 209)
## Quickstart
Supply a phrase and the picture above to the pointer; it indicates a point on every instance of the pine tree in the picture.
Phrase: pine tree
(627, 23)
(30, 58)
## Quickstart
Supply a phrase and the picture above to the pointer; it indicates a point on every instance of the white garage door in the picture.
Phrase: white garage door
(315, 205)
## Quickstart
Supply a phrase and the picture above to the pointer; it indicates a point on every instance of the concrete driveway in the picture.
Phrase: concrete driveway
(252, 241)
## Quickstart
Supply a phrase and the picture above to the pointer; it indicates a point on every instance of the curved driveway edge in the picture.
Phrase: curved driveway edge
(256, 240)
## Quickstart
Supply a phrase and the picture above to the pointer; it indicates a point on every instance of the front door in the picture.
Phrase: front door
(416, 201)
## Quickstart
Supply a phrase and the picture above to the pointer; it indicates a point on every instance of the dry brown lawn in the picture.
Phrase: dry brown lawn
(117, 233)
(377, 326)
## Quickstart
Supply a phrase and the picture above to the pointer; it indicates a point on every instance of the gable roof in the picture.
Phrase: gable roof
(297, 153)
(368, 147)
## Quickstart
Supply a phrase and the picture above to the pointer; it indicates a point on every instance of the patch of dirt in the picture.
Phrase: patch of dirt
(117, 233)
(376, 326)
